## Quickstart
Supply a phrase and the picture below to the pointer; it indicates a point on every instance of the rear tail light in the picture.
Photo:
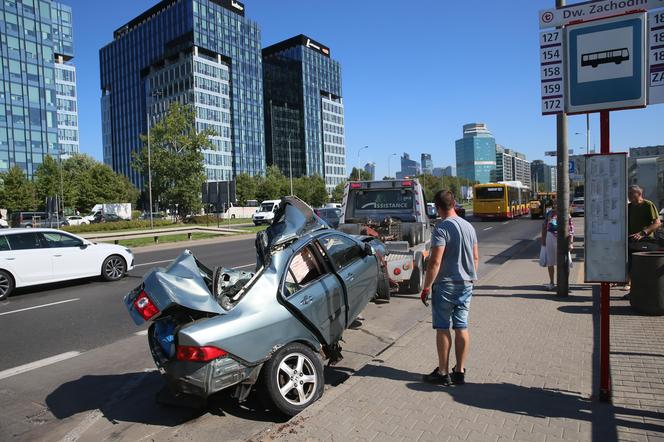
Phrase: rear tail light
(407, 183)
(145, 307)
(397, 271)
(355, 185)
(198, 354)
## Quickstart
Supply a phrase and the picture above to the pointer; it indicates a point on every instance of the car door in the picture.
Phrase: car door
(316, 294)
(29, 258)
(357, 270)
(69, 256)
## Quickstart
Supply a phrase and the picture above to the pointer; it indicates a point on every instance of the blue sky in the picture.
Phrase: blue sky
(413, 73)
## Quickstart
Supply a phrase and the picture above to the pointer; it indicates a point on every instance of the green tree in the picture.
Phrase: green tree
(245, 188)
(17, 192)
(273, 186)
(177, 159)
(364, 175)
(47, 179)
(338, 193)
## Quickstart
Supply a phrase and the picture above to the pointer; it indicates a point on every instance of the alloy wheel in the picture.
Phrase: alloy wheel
(5, 285)
(114, 268)
(296, 379)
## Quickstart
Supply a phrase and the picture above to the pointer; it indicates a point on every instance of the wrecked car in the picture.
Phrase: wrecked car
(213, 329)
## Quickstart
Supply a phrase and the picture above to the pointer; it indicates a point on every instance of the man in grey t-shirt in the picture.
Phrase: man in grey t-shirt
(451, 271)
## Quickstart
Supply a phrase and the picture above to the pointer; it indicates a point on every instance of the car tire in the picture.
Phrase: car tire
(280, 372)
(114, 268)
(412, 239)
(7, 284)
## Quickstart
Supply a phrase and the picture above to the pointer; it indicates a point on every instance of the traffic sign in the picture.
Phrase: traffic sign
(656, 57)
(551, 72)
(553, 153)
(606, 64)
(592, 10)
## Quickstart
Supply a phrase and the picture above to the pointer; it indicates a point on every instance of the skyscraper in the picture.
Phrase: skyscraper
(427, 164)
(370, 168)
(203, 53)
(511, 166)
(38, 106)
(543, 176)
(409, 168)
(476, 153)
(304, 110)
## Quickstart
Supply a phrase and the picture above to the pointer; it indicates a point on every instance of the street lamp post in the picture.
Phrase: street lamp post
(290, 164)
(156, 93)
(389, 168)
(358, 160)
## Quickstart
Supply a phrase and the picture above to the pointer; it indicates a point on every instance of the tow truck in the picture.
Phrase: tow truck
(395, 212)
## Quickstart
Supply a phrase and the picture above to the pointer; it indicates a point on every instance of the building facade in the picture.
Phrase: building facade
(370, 168)
(409, 168)
(304, 110)
(646, 169)
(543, 176)
(512, 166)
(476, 153)
(203, 53)
(38, 98)
(427, 164)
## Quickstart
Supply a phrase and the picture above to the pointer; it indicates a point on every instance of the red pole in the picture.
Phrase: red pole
(605, 289)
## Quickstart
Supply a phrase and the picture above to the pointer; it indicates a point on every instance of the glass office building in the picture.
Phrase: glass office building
(409, 168)
(204, 53)
(304, 110)
(476, 154)
(427, 164)
(38, 107)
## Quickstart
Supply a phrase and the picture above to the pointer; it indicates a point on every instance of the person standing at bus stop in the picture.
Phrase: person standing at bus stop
(550, 241)
(451, 271)
(642, 223)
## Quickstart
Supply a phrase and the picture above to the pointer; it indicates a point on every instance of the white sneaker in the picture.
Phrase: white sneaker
(550, 287)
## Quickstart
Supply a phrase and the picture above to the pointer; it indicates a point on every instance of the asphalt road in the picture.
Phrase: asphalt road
(104, 357)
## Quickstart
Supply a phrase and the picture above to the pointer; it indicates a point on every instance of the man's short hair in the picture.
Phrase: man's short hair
(635, 188)
(444, 200)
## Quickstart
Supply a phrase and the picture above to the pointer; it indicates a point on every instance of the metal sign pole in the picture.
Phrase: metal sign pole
(605, 291)
(562, 263)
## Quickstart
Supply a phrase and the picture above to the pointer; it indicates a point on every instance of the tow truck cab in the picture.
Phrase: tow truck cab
(394, 211)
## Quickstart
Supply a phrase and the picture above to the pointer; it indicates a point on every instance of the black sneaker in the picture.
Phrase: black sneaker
(626, 297)
(436, 378)
(458, 377)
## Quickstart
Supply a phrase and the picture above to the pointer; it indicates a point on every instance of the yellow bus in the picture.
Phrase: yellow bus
(505, 199)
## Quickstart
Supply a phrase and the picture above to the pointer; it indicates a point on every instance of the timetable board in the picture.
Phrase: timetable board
(606, 218)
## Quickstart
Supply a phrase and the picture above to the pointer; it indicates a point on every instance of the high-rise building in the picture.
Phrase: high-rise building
(38, 106)
(304, 109)
(427, 164)
(543, 176)
(444, 171)
(203, 53)
(370, 168)
(476, 153)
(409, 168)
(511, 166)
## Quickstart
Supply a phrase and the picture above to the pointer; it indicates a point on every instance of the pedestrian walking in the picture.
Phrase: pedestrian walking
(642, 222)
(550, 241)
(451, 271)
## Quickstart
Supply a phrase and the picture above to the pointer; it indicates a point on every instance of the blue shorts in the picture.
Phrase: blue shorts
(450, 304)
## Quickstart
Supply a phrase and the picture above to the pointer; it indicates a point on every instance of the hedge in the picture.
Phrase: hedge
(117, 225)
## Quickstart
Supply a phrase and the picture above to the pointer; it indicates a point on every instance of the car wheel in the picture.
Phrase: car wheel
(113, 268)
(28, 226)
(6, 285)
(293, 378)
(412, 239)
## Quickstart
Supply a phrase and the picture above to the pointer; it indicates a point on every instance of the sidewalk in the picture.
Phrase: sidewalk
(531, 374)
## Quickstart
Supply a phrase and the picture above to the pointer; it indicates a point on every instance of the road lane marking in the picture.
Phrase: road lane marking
(153, 263)
(488, 228)
(141, 333)
(246, 265)
(38, 364)
(505, 222)
(39, 306)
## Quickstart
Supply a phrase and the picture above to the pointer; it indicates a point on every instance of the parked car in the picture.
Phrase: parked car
(578, 207)
(40, 256)
(37, 219)
(331, 216)
(216, 329)
(433, 213)
(106, 218)
(77, 220)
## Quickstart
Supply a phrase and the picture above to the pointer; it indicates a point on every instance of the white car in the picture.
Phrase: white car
(578, 207)
(265, 213)
(77, 220)
(40, 256)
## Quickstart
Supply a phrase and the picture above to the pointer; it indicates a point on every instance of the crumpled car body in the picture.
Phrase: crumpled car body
(215, 329)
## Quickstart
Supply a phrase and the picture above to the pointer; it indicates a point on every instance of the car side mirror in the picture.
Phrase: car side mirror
(368, 250)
